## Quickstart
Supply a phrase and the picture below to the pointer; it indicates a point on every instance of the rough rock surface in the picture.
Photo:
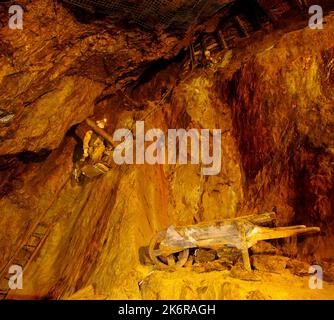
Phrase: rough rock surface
(273, 101)
(282, 104)
(219, 286)
(53, 70)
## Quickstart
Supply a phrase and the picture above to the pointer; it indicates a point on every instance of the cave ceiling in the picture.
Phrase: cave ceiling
(252, 68)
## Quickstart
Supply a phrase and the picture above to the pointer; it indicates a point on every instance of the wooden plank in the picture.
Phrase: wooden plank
(192, 56)
(241, 26)
(222, 40)
(244, 246)
(277, 233)
(257, 219)
(212, 46)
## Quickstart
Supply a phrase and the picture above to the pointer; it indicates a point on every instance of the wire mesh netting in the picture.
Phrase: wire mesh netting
(150, 14)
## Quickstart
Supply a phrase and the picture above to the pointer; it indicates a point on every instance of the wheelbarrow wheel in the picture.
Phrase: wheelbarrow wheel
(176, 260)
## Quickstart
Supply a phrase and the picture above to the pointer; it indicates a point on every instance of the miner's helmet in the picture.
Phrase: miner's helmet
(102, 123)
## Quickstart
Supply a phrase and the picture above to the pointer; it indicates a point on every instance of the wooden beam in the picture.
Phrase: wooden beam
(277, 233)
(244, 246)
(192, 56)
(241, 26)
(221, 40)
(100, 132)
(204, 48)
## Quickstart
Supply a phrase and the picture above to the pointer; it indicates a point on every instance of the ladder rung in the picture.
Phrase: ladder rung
(26, 248)
(33, 241)
(38, 235)
(30, 246)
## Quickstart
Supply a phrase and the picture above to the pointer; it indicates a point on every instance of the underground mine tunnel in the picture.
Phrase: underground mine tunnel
(167, 149)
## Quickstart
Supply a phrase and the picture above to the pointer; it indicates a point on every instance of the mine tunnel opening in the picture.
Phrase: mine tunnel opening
(35, 157)
(156, 67)
(12, 167)
(157, 79)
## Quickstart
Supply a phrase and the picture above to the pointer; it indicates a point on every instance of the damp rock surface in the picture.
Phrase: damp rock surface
(273, 101)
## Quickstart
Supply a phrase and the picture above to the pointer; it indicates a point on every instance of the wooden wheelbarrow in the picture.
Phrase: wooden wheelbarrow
(170, 248)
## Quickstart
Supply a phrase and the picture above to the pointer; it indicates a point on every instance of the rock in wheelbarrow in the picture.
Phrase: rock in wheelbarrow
(229, 255)
(264, 247)
(205, 255)
(269, 263)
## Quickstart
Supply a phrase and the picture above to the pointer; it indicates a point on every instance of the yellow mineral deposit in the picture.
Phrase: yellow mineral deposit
(79, 220)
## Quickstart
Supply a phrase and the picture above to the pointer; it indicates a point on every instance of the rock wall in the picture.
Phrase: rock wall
(282, 102)
(272, 100)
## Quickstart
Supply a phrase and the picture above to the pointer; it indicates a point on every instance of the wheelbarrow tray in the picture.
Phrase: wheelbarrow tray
(241, 233)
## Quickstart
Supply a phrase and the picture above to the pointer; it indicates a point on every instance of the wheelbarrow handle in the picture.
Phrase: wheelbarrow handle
(260, 233)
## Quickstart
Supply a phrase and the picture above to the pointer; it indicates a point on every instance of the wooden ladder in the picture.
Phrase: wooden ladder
(24, 255)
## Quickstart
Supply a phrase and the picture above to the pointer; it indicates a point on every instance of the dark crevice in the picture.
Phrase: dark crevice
(35, 157)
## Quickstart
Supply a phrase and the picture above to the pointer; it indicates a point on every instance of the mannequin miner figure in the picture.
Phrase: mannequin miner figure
(96, 153)
(93, 145)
